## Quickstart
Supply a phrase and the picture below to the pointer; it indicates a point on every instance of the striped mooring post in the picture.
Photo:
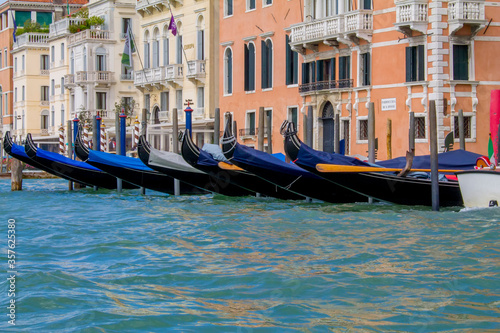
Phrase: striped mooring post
(86, 134)
(61, 140)
(136, 133)
(104, 141)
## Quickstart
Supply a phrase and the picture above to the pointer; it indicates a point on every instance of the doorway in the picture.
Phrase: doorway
(328, 128)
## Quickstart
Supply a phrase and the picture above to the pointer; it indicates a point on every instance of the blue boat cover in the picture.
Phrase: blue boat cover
(18, 150)
(63, 159)
(264, 160)
(118, 161)
(310, 157)
(455, 159)
(206, 159)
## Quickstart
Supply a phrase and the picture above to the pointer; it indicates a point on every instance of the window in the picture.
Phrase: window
(1, 63)
(128, 101)
(325, 70)
(249, 67)
(45, 93)
(126, 72)
(63, 50)
(364, 70)
(346, 125)
(267, 64)
(22, 63)
(267, 113)
(293, 116)
(15, 94)
(228, 7)
(467, 127)
(45, 120)
(308, 72)
(146, 55)
(228, 71)
(52, 87)
(5, 57)
(52, 117)
(267, 2)
(147, 101)
(72, 63)
(62, 114)
(179, 49)
(164, 101)
(100, 59)
(1, 102)
(84, 59)
(250, 123)
(23, 93)
(15, 64)
(44, 18)
(156, 49)
(178, 100)
(460, 62)
(367, 4)
(415, 63)
(344, 71)
(62, 86)
(100, 100)
(52, 53)
(420, 127)
(363, 129)
(200, 44)
(250, 4)
(200, 97)
(44, 62)
(292, 64)
(126, 22)
(6, 104)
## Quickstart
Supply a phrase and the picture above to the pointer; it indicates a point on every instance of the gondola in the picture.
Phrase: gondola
(17, 151)
(173, 165)
(75, 171)
(204, 161)
(285, 175)
(384, 186)
(131, 170)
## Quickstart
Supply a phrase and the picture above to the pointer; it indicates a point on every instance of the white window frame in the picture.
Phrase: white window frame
(422, 115)
(289, 114)
(248, 9)
(472, 116)
(226, 15)
(226, 83)
(264, 4)
(358, 127)
(247, 122)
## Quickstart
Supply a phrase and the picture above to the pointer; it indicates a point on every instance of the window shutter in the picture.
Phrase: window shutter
(421, 62)
(263, 64)
(408, 64)
(319, 70)
(332, 69)
(313, 71)
(305, 74)
(251, 58)
(166, 59)
(246, 68)
(295, 60)
(366, 68)
(289, 64)
(230, 73)
(269, 64)
(199, 45)
(341, 68)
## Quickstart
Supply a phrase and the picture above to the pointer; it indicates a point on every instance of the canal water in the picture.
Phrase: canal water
(100, 261)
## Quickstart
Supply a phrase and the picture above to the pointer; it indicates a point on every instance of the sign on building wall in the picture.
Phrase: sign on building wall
(388, 104)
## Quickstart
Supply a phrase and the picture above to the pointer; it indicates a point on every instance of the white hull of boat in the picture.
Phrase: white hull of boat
(480, 188)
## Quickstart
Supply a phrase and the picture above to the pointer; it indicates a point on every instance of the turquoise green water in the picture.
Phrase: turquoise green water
(105, 262)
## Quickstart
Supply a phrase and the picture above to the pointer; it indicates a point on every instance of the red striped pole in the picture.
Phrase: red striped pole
(136, 133)
(86, 135)
(104, 141)
(61, 140)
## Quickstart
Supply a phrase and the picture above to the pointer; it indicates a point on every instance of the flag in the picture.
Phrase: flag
(67, 6)
(172, 26)
(491, 151)
(128, 49)
(15, 27)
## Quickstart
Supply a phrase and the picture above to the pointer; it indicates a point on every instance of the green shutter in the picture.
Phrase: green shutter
(251, 70)
(289, 64)
(44, 18)
(263, 64)
(408, 64)
(305, 74)
(295, 60)
(269, 64)
(332, 69)
(246, 69)
(22, 17)
(319, 70)
(460, 62)
(421, 62)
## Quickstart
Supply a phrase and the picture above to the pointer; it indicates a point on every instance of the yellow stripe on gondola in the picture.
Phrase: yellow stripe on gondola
(227, 166)
(354, 168)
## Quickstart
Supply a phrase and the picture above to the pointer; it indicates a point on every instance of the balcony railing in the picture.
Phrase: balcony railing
(199, 113)
(103, 77)
(164, 116)
(102, 113)
(31, 39)
(196, 69)
(44, 131)
(412, 15)
(471, 13)
(248, 131)
(69, 79)
(89, 34)
(149, 76)
(127, 77)
(44, 103)
(174, 72)
(62, 26)
(356, 22)
(44, 72)
(150, 5)
(326, 85)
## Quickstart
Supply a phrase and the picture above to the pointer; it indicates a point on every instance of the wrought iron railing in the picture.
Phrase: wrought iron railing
(326, 85)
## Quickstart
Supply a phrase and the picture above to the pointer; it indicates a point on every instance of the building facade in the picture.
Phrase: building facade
(398, 54)
(258, 69)
(178, 66)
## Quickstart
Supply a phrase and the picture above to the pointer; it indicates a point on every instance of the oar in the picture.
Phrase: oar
(355, 168)
(227, 166)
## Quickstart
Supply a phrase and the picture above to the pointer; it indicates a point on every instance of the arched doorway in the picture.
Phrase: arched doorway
(328, 128)
(156, 115)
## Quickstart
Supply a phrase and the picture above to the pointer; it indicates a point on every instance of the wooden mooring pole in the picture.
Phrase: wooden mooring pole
(217, 126)
(16, 175)
(260, 134)
(70, 147)
(389, 139)
(461, 129)
(175, 142)
(434, 155)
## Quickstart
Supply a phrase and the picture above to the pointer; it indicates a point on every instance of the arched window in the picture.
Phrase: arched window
(156, 48)
(166, 47)
(62, 114)
(84, 59)
(45, 120)
(100, 59)
(228, 71)
(72, 63)
(200, 39)
(146, 50)
(179, 44)
(267, 64)
(52, 116)
(249, 67)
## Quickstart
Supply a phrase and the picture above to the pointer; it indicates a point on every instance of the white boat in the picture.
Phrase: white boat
(480, 188)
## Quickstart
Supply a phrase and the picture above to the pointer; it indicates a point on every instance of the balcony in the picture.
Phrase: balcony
(69, 80)
(311, 88)
(44, 103)
(174, 74)
(61, 27)
(199, 113)
(95, 77)
(149, 78)
(461, 13)
(44, 72)
(127, 77)
(345, 28)
(31, 39)
(196, 70)
(88, 114)
(88, 35)
(246, 132)
(149, 6)
(412, 15)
